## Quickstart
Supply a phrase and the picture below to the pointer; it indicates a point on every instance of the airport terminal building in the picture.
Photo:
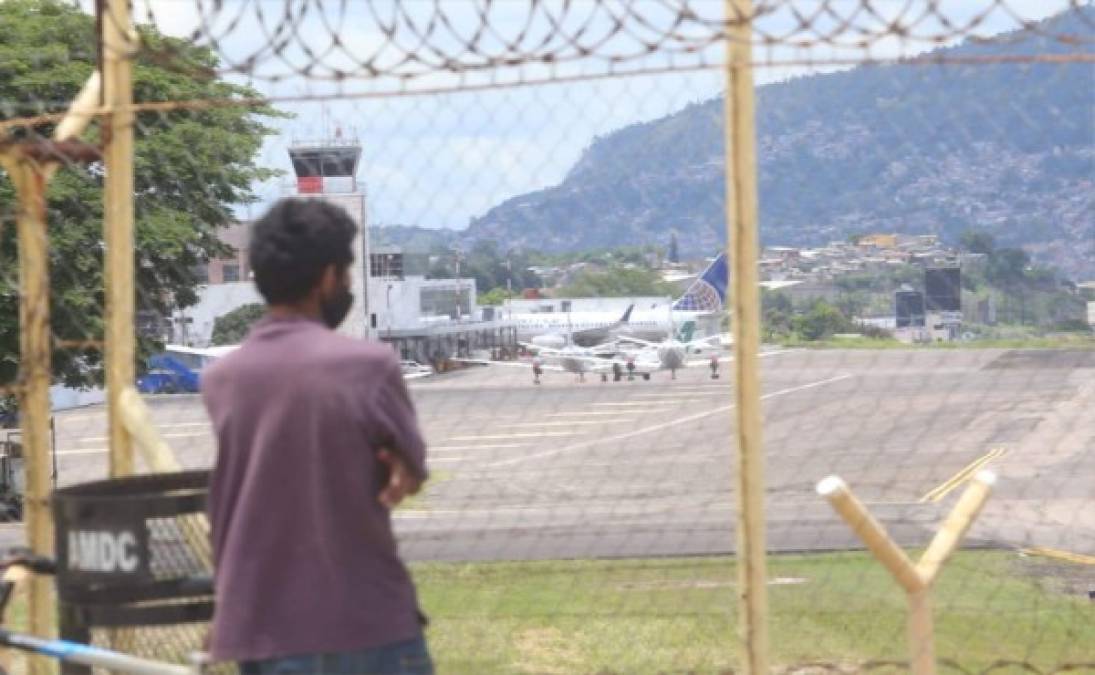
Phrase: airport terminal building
(425, 320)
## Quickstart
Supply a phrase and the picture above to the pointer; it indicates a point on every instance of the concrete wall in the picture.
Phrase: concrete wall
(214, 301)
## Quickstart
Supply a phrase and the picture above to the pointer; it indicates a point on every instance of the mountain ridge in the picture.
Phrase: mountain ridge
(913, 147)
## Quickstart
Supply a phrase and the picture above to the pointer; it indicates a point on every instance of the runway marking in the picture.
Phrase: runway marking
(487, 446)
(1067, 556)
(938, 493)
(499, 437)
(617, 413)
(662, 425)
(519, 425)
(627, 404)
(83, 451)
(100, 439)
(79, 418)
(683, 396)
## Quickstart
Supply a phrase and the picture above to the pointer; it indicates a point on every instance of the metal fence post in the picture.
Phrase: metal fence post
(741, 223)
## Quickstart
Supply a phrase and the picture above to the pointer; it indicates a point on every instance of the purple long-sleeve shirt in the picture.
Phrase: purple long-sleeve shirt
(305, 557)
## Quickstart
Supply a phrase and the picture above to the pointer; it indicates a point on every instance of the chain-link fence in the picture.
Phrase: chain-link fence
(550, 178)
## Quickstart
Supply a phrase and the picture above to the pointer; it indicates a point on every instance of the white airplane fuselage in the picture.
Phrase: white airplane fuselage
(549, 329)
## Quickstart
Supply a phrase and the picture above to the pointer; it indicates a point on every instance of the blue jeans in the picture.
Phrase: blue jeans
(399, 658)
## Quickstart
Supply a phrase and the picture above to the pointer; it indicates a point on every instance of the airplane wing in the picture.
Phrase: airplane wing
(538, 349)
(706, 340)
(634, 340)
(707, 362)
(512, 364)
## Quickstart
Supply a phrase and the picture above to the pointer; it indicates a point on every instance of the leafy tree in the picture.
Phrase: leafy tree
(821, 321)
(977, 241)
(851, 304)
(487, 266)
(1007, 267)
(495, 296)
(231, 328)
(617, 281)
(191, 169)
(777, 314)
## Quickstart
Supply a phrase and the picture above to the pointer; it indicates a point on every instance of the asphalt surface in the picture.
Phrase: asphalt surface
(583, 470)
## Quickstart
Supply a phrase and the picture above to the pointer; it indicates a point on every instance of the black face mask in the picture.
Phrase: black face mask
(335, 309)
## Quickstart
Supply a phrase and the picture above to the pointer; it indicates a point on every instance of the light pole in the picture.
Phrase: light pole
(389, 311)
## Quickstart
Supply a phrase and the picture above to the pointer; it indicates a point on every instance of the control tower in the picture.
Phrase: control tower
(328, 170)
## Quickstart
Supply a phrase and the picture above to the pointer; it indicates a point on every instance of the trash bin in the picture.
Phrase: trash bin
(135, 552)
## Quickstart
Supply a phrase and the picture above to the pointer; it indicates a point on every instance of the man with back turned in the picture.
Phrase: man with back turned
(318, 441)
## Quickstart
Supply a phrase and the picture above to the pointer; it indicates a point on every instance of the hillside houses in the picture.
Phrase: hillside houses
(869, 253)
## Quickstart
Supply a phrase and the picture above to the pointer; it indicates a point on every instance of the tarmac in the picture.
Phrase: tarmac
(646, 468)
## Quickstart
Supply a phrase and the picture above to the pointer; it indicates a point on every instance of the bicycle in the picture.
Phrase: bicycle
(17, 564)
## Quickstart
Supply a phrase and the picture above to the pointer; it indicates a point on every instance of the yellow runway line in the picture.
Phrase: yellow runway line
(1067, 556)
(938, 493)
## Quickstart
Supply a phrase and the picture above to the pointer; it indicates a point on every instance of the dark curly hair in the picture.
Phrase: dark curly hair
(294, 242)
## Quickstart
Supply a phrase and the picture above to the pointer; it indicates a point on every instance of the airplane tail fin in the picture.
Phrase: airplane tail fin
(708, 292)
(627, 314)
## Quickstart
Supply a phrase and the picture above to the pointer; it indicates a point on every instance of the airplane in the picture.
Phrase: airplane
(559, 330)
(703, 299)
(672, 354)
(568, 359)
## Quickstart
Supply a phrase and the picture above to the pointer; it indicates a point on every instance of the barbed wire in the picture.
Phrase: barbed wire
(28, 122)
(314, 39)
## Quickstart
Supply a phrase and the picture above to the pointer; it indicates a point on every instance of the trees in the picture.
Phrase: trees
(231, 328)
(191, 169)
(1007, 267)
(977, 241)
(487, 266)
(822, 321)
(495, 296)
(674, 252)
(617, 281)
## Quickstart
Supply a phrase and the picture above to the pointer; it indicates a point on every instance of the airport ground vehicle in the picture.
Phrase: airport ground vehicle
(177, 370)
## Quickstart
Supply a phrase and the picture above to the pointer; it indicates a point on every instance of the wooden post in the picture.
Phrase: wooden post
(159, 458)
(956, 525)
(870, 532)
(118, 44)
(741, 223)
(30, 178)
(36, 372)
(916, 579)
(920, 632)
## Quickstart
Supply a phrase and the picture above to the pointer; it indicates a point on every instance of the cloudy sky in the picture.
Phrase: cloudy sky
(438, 160)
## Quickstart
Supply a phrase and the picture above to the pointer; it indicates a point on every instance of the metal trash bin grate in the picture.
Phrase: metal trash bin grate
(135, 564)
